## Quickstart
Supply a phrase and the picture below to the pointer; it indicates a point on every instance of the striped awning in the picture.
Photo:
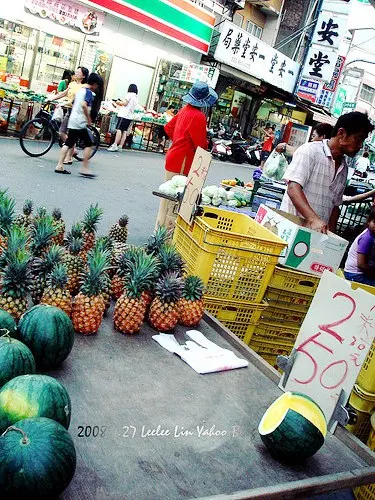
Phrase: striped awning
(323, 118)
(178, 20)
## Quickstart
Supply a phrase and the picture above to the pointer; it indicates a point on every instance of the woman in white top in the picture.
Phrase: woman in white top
(125, 114)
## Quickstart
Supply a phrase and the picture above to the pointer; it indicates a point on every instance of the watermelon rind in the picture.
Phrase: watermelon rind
(8, 324)
(38, 464)
(15, 359)
(34, 396)
(294, 440)
(49, 334)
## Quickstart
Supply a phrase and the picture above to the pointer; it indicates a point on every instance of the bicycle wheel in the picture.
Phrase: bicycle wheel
(37, 137)
(78, 155)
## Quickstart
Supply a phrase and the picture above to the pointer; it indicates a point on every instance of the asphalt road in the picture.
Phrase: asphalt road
(124, 184)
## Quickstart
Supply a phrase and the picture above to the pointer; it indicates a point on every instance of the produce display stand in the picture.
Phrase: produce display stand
(122, 387)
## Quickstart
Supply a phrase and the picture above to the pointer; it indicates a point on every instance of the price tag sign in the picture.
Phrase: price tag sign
(194, 183)
(333, 343)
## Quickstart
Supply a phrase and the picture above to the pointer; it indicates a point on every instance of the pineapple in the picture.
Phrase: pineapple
(170, 260)
(191, 305)
(26, 218)
(90, 224)
(118, 280)
(57, 293)
(158, 239)
(163, 313)
(42, 233)
(117, 250)
(74, 264)
(130, 309)
(104, 243)
(119, 231)
(88, 305)
(15, 279)
(59, 224)
(7, 206)
(41, 212)
(41, 268)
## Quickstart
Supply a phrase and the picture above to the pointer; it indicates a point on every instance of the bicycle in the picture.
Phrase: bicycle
(38, 135)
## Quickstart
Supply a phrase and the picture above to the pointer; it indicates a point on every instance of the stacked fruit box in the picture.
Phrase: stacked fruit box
(235, 257)
(289, 295)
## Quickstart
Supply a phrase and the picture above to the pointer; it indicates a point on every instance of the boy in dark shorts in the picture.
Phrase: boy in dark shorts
(79, 120)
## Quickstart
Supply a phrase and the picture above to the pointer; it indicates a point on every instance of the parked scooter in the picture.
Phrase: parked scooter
(253, 154)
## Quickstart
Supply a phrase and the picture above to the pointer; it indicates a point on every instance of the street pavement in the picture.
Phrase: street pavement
(124, 184)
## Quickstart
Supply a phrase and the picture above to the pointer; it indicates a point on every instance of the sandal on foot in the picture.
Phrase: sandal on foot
(63, 171)
(91, 176)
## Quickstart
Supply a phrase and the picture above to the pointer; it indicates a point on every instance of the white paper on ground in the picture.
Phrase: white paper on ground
(202, 359)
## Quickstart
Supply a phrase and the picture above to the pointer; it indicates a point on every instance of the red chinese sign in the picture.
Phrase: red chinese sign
(333, 342)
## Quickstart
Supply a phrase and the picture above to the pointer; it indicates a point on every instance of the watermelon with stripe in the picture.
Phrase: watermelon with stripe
(49, 334)
(15, 359)
(7, 324)
(34, 396)
(293, 428)
(38, 460)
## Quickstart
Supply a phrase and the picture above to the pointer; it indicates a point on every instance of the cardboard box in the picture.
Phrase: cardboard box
(307, 251)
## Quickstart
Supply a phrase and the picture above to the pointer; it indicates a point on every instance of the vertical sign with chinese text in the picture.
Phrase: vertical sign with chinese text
(333, 343)
(194, 183)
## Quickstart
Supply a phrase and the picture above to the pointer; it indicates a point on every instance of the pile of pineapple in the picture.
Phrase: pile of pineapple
(80, 272)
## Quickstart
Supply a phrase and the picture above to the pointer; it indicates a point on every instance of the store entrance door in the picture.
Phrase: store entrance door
(123, 73)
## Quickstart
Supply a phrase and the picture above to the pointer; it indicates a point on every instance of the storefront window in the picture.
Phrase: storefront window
(17, 45)
(54, 55)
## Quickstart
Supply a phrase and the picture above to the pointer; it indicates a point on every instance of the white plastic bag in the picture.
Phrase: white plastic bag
(275, 166)
(58, 114)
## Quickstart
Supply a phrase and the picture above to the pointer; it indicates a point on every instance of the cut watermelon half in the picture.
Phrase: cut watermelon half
(293, 428)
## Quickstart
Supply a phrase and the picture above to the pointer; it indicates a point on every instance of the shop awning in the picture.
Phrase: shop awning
(229, 71)
(324, 118)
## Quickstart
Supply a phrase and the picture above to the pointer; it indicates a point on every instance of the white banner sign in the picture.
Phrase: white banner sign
(340, 6)
(247, 53)
(332, 343)
(330, 29)
(320, 63)
(196, 73)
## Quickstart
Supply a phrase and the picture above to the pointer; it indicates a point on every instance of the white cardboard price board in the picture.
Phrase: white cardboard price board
(194, 183)
(333, 343)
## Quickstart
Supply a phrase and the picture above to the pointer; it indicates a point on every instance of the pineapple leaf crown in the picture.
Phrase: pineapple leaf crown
(194, 288)
(141, 275)
(104, 243)
(56, 214)
(58, 277)
(42, 232)
(169, 287)
(158, 239)
(18, 237)
(75, 245)
(170, 260)
(41, 212)
(52, 257)
(92, 218)
(28, 207)
(76, 231)
(94, 279)
(123, 220)
(16, 274)
(130, 256)
(7, 208)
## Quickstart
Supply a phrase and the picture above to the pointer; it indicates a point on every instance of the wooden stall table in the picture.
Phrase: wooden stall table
(147, 426)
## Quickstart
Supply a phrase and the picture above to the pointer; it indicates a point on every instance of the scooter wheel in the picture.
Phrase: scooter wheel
(238, 159)
(222, 157)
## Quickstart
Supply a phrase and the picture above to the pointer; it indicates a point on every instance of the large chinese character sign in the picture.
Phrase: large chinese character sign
(333, 343)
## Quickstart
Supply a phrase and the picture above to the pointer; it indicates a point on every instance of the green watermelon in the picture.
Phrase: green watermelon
(15, 359)
(49, 334)
(38, 459)
(8, 323)
(293, 428)
(34, 396)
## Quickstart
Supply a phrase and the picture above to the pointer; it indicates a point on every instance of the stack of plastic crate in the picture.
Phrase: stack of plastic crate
(235, 257)
(289, 295)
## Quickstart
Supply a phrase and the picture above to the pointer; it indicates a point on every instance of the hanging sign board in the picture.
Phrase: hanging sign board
(194, 184)
(333, 343)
